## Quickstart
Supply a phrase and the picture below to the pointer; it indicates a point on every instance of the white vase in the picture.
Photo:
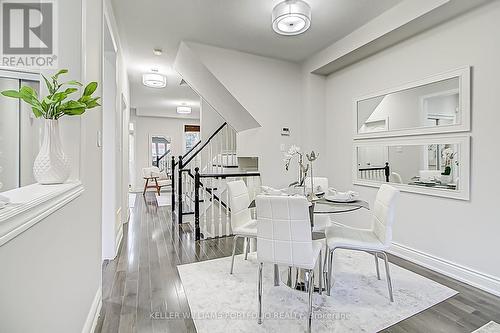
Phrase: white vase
(51, 165)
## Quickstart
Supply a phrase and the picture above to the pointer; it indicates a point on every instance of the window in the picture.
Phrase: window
(191, 136)
(20, 133)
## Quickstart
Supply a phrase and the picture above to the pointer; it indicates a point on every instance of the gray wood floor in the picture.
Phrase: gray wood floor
(143, 282)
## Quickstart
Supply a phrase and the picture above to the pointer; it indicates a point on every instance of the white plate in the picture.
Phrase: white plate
(340, 200)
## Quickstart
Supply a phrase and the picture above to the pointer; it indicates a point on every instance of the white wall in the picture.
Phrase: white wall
(210, 121)
(51, 273)
(463, 233)
(147, 126)
(271, 91)
(116, 116)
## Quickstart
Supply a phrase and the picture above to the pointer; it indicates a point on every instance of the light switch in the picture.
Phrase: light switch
(282, 147)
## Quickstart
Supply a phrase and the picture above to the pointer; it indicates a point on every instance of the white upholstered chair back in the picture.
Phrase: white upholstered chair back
(383, 213)
(284, 231)
(148, 172)
(320, 183)
(239, 200)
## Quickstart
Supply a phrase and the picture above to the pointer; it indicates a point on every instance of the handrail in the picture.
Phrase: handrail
(192, 148)
(387, 172)
(158, 159)
(229, 175)
(204, 145)
(198, 185)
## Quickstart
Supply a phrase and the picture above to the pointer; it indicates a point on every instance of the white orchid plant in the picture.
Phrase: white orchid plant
(293, 152)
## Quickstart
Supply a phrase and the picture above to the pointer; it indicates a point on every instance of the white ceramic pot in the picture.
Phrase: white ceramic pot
(51, 165)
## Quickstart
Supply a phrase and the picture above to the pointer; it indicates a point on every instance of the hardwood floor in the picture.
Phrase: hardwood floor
(143, 284)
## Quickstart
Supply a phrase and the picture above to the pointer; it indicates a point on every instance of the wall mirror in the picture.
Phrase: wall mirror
(436, 166)
(438, 104)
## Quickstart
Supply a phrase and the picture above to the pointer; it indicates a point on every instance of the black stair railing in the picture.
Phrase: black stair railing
(183, 166)
(199, 185)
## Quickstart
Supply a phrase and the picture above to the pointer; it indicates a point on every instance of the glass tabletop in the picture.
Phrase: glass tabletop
(323, 206)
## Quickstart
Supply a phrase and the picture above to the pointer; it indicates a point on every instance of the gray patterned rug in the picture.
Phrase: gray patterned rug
(491, 327)
(221, 302)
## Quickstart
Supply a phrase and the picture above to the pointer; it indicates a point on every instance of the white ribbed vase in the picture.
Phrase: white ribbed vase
(51, 165)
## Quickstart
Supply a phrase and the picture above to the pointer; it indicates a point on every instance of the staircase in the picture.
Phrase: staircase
(200, 195)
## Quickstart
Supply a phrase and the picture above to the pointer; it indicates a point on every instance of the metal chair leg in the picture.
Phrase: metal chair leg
(329, 274)
(376, 264)
(320, 275)
(276, 275)
(309, 275)
(388, 274)
(247, 247)
(259, 320)
(234, 251)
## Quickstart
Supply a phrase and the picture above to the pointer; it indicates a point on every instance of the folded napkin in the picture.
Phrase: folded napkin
(349, 195)
(267, 190)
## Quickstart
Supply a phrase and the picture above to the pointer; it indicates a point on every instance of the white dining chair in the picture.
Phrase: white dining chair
(284, 238)
(374, 240)
(321, 184)
(242, 224)
(396, 178)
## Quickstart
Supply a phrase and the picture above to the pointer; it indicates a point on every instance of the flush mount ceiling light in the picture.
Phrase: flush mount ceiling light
(184, 109)
(291, 17)
(157, 52)
(154, 80)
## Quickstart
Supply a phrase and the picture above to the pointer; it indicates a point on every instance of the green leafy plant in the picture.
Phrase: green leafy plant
(56, 104)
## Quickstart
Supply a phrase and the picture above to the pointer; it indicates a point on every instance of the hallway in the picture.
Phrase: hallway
(142, 284)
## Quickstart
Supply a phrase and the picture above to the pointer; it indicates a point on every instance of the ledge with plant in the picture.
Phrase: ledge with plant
(52, 165)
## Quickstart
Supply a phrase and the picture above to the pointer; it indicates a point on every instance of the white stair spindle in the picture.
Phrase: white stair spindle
(219, 180)
(227, 211)
(212, 220)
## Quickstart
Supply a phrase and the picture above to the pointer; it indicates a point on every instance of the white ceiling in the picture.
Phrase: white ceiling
(243, 25)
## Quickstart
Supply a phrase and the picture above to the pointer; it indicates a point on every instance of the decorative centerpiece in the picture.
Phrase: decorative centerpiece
(52, 165)
(311, 158)
(447, 174)
(294, 151)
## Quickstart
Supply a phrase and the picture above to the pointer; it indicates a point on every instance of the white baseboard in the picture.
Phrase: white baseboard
(94, 312)
(467, 275)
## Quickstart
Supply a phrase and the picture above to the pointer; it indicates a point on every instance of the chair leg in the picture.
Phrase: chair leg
(247, 247)
(259, 321)
(158, 188)
(276, 275)
(375, 254)
(388, 274)
(329, 274)
(145, 187)
(320, 275)
(234, 251)
(309, 275)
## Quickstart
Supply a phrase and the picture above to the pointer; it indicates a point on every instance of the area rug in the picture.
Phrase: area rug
(163, 200)
(491, 327)
(220, 302)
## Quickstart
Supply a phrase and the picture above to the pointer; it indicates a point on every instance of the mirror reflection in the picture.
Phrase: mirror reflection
(433, 165)
(431, 105)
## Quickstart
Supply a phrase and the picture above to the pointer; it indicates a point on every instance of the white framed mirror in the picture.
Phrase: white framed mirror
(437, 104)
(433, 165)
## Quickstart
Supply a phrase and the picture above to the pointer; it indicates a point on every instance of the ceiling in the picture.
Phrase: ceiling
(243, 25)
